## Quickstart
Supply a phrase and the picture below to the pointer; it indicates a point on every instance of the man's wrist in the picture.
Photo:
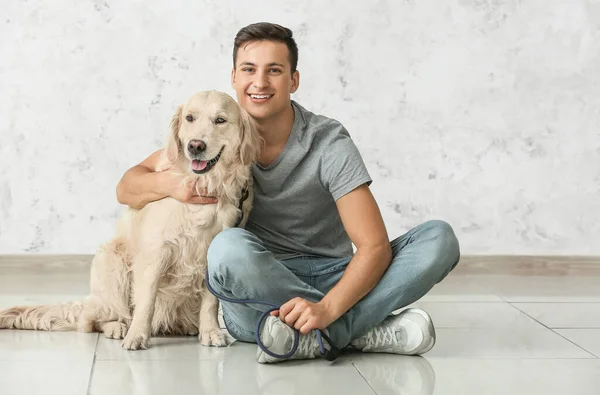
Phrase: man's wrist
(333, 309)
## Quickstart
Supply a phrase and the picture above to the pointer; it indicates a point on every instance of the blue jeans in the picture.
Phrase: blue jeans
(240, 267)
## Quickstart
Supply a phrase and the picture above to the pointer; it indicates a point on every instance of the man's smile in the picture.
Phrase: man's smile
(260, 98)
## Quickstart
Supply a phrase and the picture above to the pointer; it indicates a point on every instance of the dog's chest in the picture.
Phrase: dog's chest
(208, 220)
(185, 274)
(191, 242)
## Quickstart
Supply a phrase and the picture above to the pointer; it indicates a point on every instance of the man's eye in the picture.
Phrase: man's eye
(189, 118)
(276, 70)
(220, 120)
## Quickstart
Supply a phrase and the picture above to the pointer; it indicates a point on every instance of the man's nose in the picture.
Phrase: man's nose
(261, 81)
(196, 146)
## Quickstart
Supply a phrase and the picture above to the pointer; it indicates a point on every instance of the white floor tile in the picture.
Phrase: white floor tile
(396, 374)
(563, 315)
(588, 339)
(40, 283)
(392, 374)
(163, 348)
(237, 374)
(521, 341)
(46, 346)
(473, 314)
(44, 377)
(11, 300)
(493, 330)
(543, 289)
(458, 288)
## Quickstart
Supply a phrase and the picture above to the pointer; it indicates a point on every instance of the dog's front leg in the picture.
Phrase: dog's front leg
(210, 332)
(145, 289)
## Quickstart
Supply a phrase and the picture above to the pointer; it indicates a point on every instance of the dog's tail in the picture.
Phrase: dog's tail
(57, 317)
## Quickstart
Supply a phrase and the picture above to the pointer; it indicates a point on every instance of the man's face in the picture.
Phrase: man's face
(263, 80)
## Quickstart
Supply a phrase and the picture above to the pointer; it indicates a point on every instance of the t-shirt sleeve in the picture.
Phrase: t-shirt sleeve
(342, 167)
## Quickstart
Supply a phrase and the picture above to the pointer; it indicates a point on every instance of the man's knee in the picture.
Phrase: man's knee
(228, 249)
(446, 246)
(448, 242)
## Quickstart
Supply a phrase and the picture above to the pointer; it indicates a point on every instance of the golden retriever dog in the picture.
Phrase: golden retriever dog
(150, 278)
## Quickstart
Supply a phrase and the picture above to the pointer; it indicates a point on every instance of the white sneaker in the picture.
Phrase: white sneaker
(279, 338)
(409, 333)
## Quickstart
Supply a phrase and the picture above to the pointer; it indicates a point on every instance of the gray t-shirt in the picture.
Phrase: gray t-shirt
(294, 211)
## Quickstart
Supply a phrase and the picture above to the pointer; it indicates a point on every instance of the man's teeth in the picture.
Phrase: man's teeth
(260, 96)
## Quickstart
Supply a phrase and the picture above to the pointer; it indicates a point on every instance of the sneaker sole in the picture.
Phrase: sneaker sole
(430, 326)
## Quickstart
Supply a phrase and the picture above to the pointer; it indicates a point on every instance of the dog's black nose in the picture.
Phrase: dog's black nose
(196, 146)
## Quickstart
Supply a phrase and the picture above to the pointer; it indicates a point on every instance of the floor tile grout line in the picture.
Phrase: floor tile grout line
(528, 316)
(89, 388)
(498, 358)
(463, 301)
(591, 328)
(502, 298)
(363, 377)
(571, 341)
(516, 302)
(553, 331)
(489, 290)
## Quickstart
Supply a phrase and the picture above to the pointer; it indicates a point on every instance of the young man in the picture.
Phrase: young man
(312, 201)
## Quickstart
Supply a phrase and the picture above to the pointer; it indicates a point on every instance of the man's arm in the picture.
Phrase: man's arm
(365, 227)
(141, 185)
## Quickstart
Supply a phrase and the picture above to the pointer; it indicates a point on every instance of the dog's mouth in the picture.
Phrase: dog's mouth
(203, 166)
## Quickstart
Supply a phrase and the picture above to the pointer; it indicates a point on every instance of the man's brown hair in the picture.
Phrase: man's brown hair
(269, 32)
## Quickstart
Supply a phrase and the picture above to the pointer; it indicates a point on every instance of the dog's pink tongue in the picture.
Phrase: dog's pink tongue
(199, 164)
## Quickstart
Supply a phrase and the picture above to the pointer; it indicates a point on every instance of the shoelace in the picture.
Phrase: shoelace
(306, 346)
(330, 355)
(381, 336)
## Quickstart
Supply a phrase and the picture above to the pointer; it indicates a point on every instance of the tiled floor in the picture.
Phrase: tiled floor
(497, 333)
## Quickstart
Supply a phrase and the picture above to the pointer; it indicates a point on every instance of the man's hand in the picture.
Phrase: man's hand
(141, 185)
(304, 315)
(183, 188)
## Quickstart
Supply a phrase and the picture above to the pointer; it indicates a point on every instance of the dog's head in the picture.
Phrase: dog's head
(211, 130)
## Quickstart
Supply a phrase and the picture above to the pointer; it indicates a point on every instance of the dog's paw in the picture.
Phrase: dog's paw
(114, 330)
(213, 337)
(136, 341)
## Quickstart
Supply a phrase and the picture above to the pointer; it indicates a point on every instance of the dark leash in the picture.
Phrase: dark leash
(330, 355)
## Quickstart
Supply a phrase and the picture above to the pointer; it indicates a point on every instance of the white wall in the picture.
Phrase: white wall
(484, 113)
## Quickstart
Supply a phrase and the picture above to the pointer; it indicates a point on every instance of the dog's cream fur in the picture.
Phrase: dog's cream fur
(149, 279)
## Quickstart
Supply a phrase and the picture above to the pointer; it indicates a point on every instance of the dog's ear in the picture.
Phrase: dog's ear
(173, 148)
(251, 142)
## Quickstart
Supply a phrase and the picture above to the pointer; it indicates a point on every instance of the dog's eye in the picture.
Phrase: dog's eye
(189, 118)
(220, 120)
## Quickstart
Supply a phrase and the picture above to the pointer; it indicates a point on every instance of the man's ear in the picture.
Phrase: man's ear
(295, 81)
(173, 148)
(233, 77)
